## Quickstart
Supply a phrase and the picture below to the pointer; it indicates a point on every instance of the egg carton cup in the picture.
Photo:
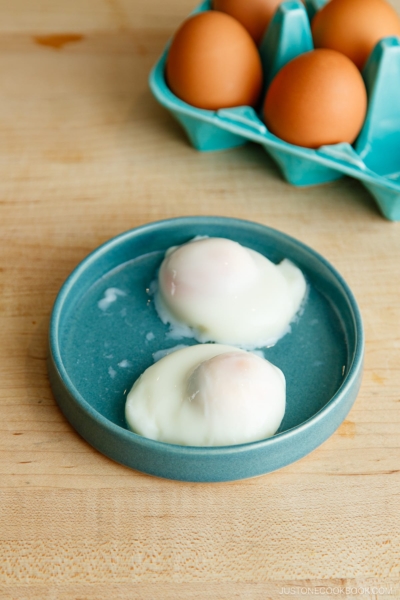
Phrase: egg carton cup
(374, 159)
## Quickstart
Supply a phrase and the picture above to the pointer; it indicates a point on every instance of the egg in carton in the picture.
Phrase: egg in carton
(374, 158)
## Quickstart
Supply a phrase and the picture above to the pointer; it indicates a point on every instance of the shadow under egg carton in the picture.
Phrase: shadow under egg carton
(374, 159)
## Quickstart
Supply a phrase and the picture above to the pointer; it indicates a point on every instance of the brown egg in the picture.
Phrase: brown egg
(318, 98)
(213, 63)
(254, 15)
(353, 27)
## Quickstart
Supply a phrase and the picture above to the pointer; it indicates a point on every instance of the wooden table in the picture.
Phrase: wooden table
(86, 153)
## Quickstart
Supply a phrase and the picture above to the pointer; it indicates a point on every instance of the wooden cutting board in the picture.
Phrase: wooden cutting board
(86, 153)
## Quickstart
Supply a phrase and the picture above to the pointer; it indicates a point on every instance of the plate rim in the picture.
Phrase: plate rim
(349, 381)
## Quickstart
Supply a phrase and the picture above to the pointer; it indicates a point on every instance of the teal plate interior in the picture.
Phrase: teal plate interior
(97, 351)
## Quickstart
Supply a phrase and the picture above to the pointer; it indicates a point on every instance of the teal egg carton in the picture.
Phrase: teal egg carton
(374, 159)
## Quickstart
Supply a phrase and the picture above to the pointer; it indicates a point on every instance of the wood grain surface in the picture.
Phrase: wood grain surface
(86, 153)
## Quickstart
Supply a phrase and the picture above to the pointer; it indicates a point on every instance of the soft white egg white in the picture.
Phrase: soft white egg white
(208, 395)
(220, 291)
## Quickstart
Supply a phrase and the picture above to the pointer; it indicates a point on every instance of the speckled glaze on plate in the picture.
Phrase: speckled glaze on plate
(99, 347)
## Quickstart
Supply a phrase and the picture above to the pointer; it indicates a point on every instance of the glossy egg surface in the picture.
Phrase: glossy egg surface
(208, 395)
(254, 15)
(213, 63)
(354, 27)
(318, 98)
(215, 289)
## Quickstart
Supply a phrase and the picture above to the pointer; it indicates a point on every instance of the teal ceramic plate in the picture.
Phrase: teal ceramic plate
(104, 331)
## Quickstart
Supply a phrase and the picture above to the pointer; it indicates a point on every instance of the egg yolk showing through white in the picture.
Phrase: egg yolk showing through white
(227, 293)
(208, 395)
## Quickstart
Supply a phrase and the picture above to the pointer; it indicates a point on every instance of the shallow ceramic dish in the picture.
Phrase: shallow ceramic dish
(104, 331)
(375, 157)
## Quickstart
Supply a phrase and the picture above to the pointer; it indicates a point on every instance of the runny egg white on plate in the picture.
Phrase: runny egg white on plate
(208, 395)
(214, 289)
